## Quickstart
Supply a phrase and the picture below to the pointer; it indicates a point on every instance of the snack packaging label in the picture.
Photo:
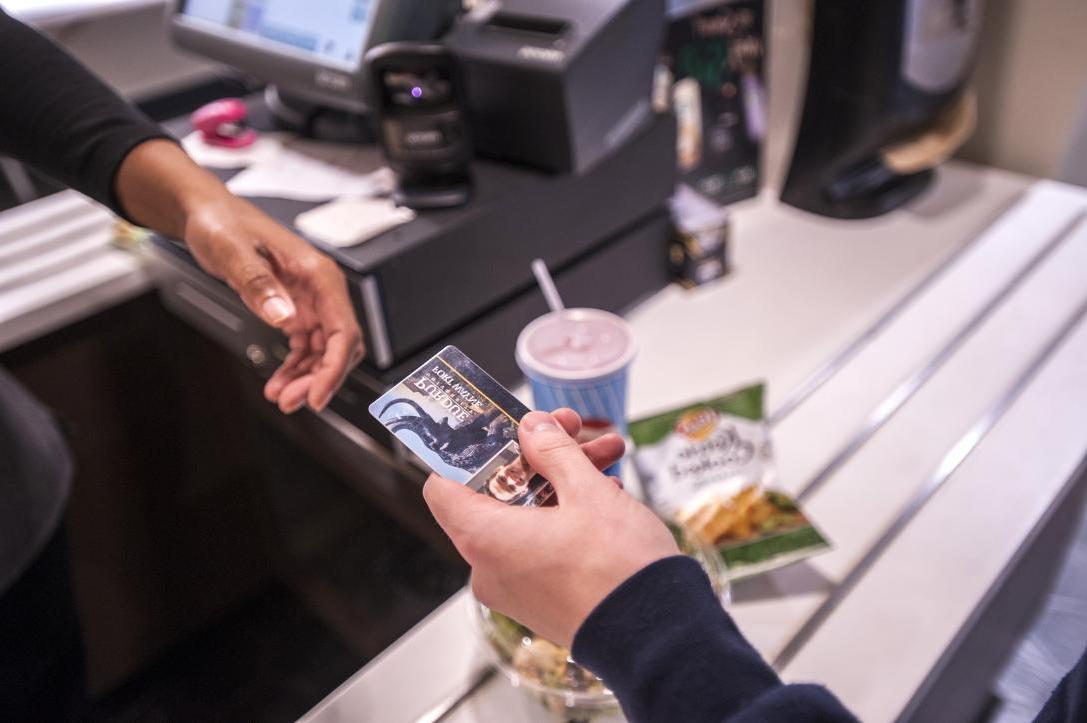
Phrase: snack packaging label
(710, 467)
(463, 425)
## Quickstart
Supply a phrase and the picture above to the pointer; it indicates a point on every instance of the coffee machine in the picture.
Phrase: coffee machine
(887, 100)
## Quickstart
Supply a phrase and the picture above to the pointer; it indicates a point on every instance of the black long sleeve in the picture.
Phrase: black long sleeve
(1068, 703)
(58, 117)
(663, 643)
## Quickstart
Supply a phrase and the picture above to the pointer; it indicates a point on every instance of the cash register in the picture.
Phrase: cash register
(571, 167)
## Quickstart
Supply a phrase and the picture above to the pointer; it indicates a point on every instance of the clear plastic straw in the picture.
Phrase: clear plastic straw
(547, 285)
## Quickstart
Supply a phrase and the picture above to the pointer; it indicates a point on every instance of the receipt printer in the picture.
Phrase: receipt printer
(558, 84)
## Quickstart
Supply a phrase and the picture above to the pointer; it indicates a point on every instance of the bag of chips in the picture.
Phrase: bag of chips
(710, 468)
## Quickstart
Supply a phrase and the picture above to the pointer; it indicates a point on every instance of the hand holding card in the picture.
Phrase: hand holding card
(463, 425)
(549, 568)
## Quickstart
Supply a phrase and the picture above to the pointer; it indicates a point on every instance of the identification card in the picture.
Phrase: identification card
(463, 425)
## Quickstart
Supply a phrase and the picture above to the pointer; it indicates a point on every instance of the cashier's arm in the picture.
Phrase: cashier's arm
(280, 277)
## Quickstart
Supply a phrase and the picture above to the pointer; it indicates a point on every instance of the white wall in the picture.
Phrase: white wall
(1032, 84)
(1075, 160)
(788, 24)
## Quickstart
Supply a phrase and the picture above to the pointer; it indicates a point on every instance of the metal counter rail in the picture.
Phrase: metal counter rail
(950, 462)
(1043, 279)
(909, 386)
(821, 375)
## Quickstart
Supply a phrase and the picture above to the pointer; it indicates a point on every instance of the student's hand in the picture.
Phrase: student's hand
(280, 277)
(549, 567)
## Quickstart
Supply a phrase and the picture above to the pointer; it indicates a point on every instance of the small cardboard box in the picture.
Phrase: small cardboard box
(698, 253)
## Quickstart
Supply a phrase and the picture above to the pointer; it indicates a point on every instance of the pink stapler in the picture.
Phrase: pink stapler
(223, 123)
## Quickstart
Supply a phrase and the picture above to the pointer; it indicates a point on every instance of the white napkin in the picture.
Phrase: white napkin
(350, 221)
(312, 171)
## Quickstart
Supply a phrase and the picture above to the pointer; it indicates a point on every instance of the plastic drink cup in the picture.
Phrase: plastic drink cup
(579, 358)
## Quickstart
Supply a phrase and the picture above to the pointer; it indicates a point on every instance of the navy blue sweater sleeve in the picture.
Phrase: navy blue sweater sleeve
(56, 116)
(664, 644)
(1068, 703)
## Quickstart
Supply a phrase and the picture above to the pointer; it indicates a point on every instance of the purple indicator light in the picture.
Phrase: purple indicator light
(416, 92)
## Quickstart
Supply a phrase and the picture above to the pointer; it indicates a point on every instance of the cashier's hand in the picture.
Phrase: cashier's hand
(549, 567)
(280, 277)
(288, 284)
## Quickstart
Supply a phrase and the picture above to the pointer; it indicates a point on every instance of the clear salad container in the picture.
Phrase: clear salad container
(547, 671)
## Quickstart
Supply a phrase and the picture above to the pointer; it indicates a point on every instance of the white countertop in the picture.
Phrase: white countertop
(58, 265)
(971, 340)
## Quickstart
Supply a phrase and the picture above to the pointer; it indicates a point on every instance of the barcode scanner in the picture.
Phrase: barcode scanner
(418, 105)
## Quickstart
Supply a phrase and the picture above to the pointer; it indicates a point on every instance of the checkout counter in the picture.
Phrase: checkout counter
(925, 384)
(924, 372)
(926, 388)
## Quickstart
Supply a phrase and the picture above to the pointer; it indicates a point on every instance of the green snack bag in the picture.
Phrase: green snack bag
(710, 467)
